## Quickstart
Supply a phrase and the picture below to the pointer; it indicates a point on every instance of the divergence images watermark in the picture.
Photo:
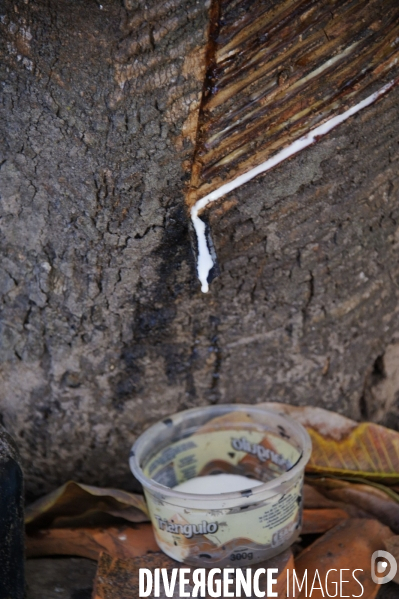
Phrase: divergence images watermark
(261, 582)
(379, 564)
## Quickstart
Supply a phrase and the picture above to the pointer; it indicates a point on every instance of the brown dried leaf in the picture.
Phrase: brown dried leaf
(314, 500)
(349, 546)
(342, 447)
(75, 504)
(321, 520)
(124, 542)
(366, 500)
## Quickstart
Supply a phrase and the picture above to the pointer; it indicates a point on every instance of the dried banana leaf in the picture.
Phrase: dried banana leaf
(126, 541)
(344, 448)
(380, 503)
(75, 504)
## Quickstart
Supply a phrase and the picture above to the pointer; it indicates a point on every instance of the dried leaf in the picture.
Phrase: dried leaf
(366, 500)
(313, 499)
(125, 541)
(319, 521)
(348, 546)
(342, 447)
(75, 504)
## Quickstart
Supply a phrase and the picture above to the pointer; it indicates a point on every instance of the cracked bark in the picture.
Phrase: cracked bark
(104, 328)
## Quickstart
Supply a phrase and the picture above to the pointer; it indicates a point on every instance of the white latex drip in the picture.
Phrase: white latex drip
(205, 260)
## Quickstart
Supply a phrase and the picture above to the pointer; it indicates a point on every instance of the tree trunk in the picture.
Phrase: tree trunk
(104, 326)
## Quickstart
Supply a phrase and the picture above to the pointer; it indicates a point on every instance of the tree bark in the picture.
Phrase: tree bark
(105, 329)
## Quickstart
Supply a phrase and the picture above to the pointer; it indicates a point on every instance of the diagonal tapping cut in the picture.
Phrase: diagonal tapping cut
(205, 258)
(279, 78)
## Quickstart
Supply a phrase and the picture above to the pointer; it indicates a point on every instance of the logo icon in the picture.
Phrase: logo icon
(379, 564)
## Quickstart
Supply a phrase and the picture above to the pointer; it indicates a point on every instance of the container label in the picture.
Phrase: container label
(248, 529)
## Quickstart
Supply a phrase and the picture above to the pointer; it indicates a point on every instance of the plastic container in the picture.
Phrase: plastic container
(236, 529)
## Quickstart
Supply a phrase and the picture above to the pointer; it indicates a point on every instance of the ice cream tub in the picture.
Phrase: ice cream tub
(220, 528)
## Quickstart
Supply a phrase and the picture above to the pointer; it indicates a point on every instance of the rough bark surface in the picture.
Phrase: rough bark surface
(104, 327)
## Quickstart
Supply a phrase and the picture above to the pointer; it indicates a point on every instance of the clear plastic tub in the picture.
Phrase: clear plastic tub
(239, 528)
